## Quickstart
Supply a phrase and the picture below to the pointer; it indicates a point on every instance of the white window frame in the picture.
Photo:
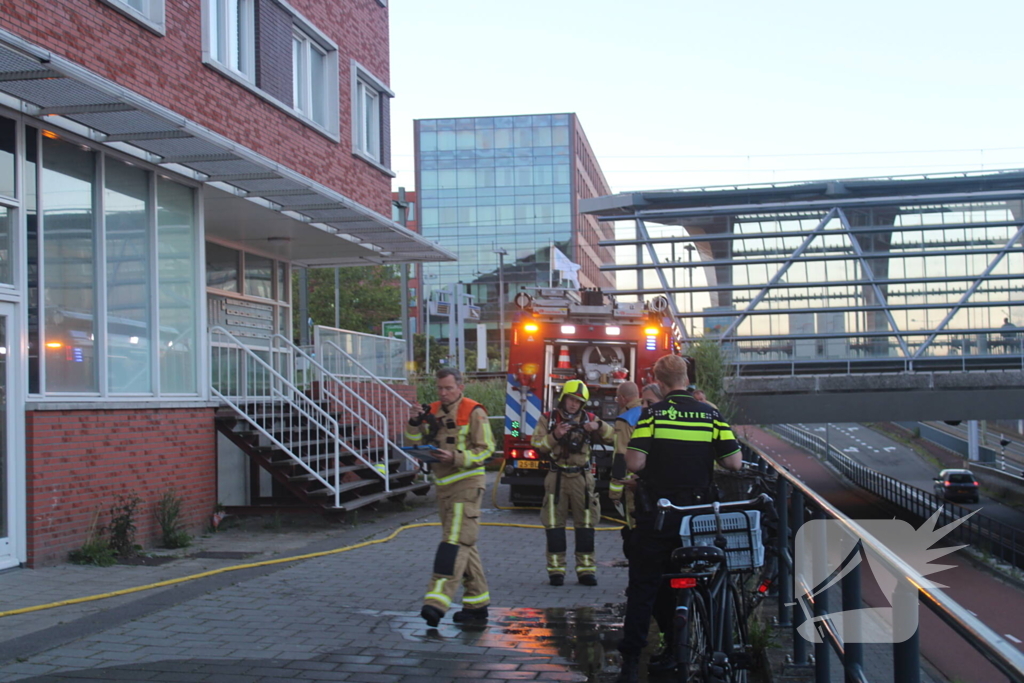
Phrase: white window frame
(302, 79)
(366, 140)
(152, 15)
(246, 69)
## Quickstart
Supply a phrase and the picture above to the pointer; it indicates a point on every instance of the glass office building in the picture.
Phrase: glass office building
(508, 183)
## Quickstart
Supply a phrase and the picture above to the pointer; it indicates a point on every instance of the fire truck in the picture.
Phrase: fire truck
(562, 334)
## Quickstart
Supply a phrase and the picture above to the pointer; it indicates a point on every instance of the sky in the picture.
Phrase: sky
(676, 93)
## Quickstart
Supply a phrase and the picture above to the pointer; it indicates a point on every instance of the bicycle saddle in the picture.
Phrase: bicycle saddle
(696, 554)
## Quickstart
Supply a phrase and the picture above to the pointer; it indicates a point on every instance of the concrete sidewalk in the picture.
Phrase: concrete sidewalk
(352, 616)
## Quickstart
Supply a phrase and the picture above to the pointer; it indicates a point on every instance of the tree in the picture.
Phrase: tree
(368, 295)
(714, 369)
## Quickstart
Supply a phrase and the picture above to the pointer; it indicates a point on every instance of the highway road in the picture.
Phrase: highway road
(996, 603)
(898, 461)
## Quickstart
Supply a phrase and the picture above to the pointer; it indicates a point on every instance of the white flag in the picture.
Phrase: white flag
(561, 263)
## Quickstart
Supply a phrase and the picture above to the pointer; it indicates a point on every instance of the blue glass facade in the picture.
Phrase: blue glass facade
(495, 182)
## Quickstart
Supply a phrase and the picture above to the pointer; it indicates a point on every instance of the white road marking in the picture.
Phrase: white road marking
(888, 449)
(852, 449)
(1016, 640)
(853, 429)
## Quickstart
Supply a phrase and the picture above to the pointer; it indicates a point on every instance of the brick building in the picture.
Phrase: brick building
(164, 165)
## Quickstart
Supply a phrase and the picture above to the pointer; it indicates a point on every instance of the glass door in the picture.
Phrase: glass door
(11, 500)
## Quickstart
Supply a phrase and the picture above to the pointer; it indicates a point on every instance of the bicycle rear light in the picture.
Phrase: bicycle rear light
(765, 585)
(683, 583)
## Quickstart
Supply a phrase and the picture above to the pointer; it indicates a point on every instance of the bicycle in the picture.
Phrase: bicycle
(709, 629)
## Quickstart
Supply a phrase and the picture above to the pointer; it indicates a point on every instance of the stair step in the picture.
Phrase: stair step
(380, 495)
(347, 486)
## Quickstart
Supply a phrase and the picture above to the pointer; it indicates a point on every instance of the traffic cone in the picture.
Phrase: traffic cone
(563, 358)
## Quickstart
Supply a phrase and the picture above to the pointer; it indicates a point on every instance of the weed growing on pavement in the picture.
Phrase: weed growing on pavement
(274, 522)
(96, 550)
(122, 525)
(172, 527)
(761, 636)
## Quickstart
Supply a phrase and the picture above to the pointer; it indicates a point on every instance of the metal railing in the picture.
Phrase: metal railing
(279, 411)
(912, 589)
(1002, 541)
(362, 355)
(366, 404)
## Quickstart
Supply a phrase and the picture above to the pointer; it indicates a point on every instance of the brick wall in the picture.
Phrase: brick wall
(169, 70)
(78, 461)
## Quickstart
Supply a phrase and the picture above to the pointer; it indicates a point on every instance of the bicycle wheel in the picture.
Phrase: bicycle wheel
(736, 646)
(693, 642)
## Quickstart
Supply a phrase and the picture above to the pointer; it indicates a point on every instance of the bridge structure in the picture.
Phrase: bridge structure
(854, 300)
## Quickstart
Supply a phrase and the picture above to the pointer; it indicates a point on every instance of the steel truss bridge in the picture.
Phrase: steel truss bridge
(858, 299)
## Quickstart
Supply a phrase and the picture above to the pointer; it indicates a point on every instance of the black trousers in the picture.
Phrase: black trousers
(648, 593)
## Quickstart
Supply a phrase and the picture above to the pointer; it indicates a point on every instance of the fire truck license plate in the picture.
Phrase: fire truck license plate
(527, 464)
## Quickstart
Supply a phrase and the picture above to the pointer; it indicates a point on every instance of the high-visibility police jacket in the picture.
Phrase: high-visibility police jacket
(544, 440)
(464, 431)
(682, 439)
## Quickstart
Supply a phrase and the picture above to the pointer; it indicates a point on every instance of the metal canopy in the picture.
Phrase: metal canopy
(323, 227)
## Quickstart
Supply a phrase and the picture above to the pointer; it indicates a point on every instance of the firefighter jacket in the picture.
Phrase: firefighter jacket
(624, 426)
(464, 430)
(544, 438)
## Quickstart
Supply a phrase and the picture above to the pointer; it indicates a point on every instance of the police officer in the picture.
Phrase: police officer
(463, 440)
(566, 434)
(674, 448)
(621, 486)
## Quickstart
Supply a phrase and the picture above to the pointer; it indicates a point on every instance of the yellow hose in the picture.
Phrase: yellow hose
(254, 565)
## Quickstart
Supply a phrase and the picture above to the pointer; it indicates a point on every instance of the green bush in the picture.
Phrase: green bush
(122, 525)
(172, 527)
(96, 550)
(713, 369)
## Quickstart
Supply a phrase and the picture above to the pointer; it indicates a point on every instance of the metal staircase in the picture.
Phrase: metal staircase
(322, 441)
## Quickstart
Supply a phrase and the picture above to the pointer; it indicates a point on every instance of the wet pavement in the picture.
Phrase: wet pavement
(352, 616)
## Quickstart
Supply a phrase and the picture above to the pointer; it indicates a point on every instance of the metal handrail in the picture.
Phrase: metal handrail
(382, 432)
(317, 418)
(990, 644)
(369, 374)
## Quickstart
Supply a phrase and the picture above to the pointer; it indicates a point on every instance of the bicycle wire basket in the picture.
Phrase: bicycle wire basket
(742, 531)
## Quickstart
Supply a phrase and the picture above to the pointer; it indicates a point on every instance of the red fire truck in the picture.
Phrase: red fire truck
(562, 334)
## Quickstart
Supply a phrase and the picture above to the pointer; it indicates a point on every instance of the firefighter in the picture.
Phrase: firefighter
(458, 427)
(620, 487)
(565, 435)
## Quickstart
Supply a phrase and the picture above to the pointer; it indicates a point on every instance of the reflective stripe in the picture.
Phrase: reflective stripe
(459, 476)
(586, 518)
(688, 435)
(476, 599)
(414, 436)
(440, 597)
(453, 535)
(728, 454)
(551, 511)
(614, 487)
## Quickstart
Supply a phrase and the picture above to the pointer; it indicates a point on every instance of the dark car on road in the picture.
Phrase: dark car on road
(957, 485)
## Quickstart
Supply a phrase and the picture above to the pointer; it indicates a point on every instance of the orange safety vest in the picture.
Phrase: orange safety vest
(465, 408)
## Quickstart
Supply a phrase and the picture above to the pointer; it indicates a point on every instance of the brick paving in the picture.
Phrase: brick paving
(352, 616)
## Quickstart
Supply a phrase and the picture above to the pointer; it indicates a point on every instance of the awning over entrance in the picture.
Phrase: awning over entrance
(311, 225)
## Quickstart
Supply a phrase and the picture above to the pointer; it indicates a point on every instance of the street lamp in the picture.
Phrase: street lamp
(500, 251)
(689, 270)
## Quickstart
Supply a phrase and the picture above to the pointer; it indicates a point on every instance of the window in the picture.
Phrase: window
(370, 118)
(149, 13)
(310, 85)
(231, 36)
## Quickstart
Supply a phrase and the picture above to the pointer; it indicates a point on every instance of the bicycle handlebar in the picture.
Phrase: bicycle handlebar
(762, 500)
